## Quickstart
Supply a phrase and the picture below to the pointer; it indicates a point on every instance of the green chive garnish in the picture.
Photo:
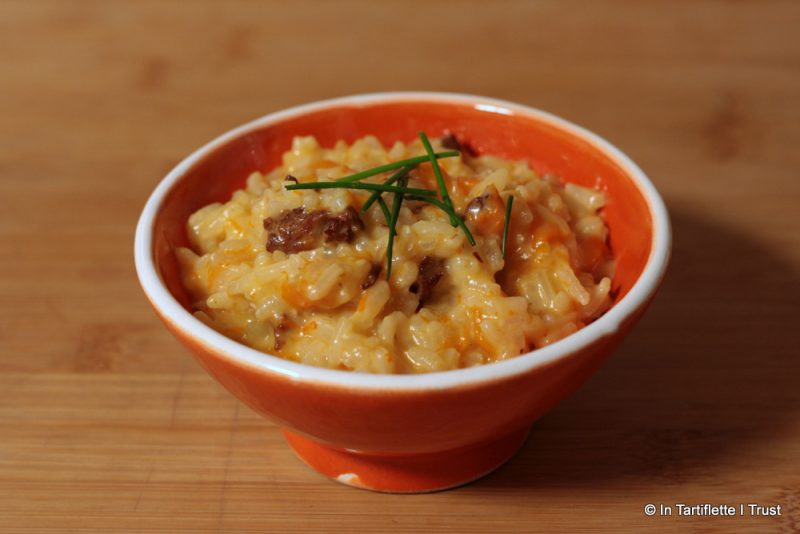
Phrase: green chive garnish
(385, 210)
(396, 165)
(448, 210)
(398, 200)
(401, 192)
(509, 203)
(358, 185)
(439, 179)
(392, 179)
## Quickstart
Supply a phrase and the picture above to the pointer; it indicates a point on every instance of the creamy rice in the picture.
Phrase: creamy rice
(330, 304)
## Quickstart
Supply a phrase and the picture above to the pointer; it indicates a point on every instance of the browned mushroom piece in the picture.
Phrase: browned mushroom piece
(281, 331)
(299, 229)
(343, 227)
(486, 213)
(454, 143)
(372, 276)
(431, 271)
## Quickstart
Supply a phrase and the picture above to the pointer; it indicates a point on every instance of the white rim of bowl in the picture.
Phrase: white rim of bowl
(606, 325)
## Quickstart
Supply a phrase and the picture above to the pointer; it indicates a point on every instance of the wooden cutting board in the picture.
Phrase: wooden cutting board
(107, 425)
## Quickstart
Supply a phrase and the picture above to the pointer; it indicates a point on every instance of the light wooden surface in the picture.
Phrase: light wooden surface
(107, 425)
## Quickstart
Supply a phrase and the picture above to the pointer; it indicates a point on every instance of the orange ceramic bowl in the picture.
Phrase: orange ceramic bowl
(408, 433)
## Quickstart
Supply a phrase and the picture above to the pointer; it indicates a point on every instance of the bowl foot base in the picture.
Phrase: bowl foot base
(407, 474)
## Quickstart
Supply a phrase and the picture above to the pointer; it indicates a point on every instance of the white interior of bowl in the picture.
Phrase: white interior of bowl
(606, 325)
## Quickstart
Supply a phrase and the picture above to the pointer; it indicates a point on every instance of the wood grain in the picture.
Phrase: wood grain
(107, 424)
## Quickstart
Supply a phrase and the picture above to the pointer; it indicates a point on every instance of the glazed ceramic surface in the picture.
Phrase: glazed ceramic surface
(408, 432)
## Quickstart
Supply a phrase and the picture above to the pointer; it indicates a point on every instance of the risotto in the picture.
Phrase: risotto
(302, 273)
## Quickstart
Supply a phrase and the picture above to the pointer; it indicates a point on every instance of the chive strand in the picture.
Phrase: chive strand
(506, 223)
(392, 179)
(439, 178)
(402, 191)
(448, 210)
(385, 210)
(396, 202)
(396, 165)
(358, 185)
